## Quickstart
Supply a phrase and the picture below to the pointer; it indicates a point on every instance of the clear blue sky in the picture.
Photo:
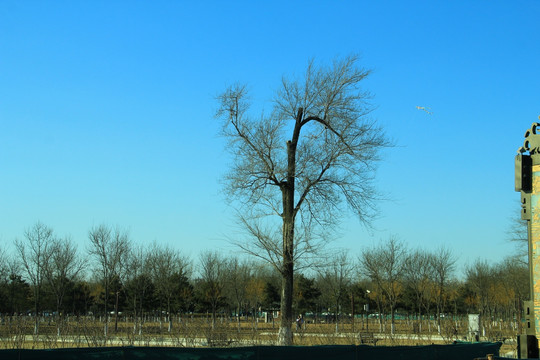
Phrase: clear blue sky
(106, 112)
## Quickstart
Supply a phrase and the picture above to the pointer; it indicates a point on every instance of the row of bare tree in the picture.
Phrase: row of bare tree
(46, 274)
(425, 284)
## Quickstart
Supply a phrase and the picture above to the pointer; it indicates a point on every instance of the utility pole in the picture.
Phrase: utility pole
(527, 182)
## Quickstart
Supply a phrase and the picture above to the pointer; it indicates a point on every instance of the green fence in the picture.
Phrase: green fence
(361, 352)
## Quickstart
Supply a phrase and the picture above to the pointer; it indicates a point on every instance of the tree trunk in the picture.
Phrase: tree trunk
(141, 314)
(36, 315)
(379, 307)
(352, 311)
(116, 313)
(169, 318)
(438, 318)
(285, 331)
(58, 317)
(238, 316)
(135, 315)
(106, 327)
(214, 311)
(287, 273)
(337, 316)
(285, 337)
(392, 320)
(419, 321)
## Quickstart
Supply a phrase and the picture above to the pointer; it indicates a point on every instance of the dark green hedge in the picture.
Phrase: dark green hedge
(362, 352)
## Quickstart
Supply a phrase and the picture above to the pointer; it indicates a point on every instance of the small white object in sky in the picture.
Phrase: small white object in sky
(425, 109)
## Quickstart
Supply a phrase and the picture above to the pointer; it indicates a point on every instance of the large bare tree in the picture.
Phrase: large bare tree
(315, 151)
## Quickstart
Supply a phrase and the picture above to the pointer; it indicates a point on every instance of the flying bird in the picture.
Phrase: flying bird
(423, 108)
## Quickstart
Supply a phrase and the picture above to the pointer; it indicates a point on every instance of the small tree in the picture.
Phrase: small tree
(4, 280)
(237, 277)
(60, 269)
(315, 151)
(168, 268)
(16, 290)
(270, 299)
(212, 282)
(417, 276)
(335, 280)
(139, 285)
(306, 294)
(518, 233)
(32, 252)
(110, 248)
(385, 265)
(443, 266)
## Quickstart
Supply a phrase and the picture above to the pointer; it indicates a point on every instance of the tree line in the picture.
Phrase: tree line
(47, 276)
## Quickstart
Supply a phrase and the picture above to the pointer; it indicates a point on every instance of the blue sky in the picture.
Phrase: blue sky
(106, 112)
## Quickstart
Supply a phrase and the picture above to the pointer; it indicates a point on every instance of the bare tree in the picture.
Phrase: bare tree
(32, 251)
(167, 267)
(385, 266)
(514, 276)
(4, 281)
(62, 265)
(443, 263)
(110, 247)
(212, 271)
(480, 277)
(238, 275)
(517, 233)
(334, 281)
(4, 268)
(17, 290)
(417, 275)
(138, 283)
(496, 290)
(315, 151)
